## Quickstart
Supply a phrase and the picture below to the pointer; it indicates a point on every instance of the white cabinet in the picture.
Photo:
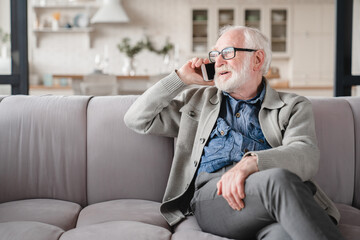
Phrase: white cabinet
(253, 17)
(200, 25)
(63, 18)
(313, 45)
(274, 22)
(279, 30)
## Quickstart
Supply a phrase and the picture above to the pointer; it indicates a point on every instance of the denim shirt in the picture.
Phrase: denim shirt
(237, 131)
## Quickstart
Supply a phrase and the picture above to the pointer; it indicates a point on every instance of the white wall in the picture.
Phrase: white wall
(356, 39)
(5, 15)
(5, 26)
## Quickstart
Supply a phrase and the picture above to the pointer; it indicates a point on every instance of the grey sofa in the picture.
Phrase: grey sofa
(70, 169)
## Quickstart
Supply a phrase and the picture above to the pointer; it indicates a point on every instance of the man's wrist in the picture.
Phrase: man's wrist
(252, 157)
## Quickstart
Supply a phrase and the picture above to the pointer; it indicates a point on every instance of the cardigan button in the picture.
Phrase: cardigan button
(202, 140)
(195, 163)
(192, 114)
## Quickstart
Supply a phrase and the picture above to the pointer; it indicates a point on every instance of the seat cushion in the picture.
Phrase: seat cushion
(349, 224)
(350, 232)
(29, 231)
(123, 210)
(118, 230)
(190, 229)
(54, 212)
(349, 214)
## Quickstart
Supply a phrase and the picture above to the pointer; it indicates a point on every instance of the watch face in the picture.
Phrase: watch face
(81, 20)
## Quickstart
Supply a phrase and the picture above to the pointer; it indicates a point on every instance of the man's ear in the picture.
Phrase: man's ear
(258, 59)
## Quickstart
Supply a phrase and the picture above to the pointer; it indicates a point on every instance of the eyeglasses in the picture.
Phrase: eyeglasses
(227, 53)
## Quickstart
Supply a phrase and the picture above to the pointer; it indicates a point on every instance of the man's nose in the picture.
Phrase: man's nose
(219, 61)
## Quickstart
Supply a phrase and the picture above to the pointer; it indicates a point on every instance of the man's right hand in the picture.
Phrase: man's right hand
(190, 72)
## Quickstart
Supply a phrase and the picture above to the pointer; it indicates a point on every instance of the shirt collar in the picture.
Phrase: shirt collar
(258, 98)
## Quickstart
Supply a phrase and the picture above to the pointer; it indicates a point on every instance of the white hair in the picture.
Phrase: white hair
(254, 39)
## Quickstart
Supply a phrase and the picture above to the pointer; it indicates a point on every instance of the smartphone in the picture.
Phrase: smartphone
(208, 71)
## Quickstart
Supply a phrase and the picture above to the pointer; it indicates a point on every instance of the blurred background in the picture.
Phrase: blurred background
(107, 47)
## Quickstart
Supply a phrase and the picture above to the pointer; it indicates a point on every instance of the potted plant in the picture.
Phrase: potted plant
(130, 51)
(4, 39)
(164, 51)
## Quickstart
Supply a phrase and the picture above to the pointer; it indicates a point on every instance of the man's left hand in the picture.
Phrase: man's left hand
(232, 184)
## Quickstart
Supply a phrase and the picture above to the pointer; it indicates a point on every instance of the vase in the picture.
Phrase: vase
(166, 64)
(129, 67)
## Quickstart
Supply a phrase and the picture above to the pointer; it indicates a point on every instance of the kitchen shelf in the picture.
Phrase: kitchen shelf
(38, 32)
(200, 39)
(43, 12)
(200, 22)
(64, 30)
(67, 5)
(280, 23)
(278, 40)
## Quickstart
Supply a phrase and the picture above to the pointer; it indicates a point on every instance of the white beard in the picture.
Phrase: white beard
(237, 80)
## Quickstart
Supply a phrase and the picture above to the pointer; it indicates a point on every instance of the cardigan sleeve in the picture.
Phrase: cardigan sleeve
(298, 151)
(157, 110)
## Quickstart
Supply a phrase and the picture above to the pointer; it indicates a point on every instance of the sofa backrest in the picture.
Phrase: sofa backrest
(78, 149)
(43, 148)
(122, 163)
(355, 107)
(337, 123)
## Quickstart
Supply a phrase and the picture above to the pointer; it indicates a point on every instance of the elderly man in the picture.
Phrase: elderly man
(244, 153)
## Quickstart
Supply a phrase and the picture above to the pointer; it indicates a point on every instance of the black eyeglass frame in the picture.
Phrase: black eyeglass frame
(235, 50)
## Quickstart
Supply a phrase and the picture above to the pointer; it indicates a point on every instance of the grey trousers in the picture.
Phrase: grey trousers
(278, 205)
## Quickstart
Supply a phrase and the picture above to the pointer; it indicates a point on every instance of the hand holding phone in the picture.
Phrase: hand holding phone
(208, 71)
(191, 72)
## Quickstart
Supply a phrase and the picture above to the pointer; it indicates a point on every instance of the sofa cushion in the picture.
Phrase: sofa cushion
(122, 163)
(118, 230)
(54, 212)
(123, 210)
(190, 229)
(349, 214)
(335, 134)
(43, 148)
(29, 231)
(349, 222)
(350, 232)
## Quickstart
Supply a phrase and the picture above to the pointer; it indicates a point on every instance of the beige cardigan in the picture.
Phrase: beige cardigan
(172, 109)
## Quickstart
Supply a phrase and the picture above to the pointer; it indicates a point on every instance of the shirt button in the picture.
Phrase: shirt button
(262, 141)
(237, 115)
(246, 150)
(192, 114)
(202, 140)
(222, 133)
